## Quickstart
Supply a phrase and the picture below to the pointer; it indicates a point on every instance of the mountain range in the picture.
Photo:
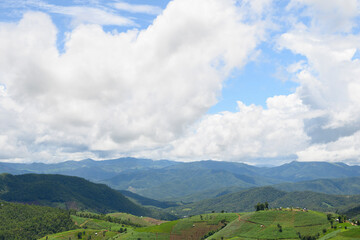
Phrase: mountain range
(194, 181)
(244, 201)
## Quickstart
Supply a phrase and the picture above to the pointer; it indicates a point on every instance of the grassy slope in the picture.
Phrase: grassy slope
(264, 225)
(99, 229)
(251, 225)
(189, 228)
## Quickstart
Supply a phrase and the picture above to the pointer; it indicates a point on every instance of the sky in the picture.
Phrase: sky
(262, 82)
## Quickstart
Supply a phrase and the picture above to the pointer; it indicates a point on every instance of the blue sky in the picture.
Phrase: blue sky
(253, 84)
(247, 81)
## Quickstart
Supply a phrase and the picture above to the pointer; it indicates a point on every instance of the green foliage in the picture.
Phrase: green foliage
(262, 206)
(19, 221)
(340, 186)
(108, 218)
(70, 192)
(245, 200)
(275, 224)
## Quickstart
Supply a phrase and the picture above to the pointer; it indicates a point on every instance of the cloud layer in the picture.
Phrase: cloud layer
(146, 92)
(116, 92)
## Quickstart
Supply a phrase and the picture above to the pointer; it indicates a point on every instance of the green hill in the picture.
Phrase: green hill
(19, 221)
(245, 201)
(275, 225)
(340, 186)
(68, 192)
(268, 224)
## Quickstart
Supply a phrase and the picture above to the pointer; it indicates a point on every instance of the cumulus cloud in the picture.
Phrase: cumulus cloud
(116, 92)
(345, 149)
(252, 132)
(329, 78)
(146, 92)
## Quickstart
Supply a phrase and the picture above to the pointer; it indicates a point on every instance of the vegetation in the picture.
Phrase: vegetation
(167, 180)
(70, 193)
(19, 221)
(246, 200)
(340, 186)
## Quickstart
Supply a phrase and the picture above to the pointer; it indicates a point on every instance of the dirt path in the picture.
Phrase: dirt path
(81, 225)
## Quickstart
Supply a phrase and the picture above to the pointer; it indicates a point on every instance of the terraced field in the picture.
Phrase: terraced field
(270, 224)
(274, 224)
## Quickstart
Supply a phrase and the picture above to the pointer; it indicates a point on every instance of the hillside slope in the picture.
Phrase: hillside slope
(67, 192)
(340, 186)
(19, 221)
(245, 201)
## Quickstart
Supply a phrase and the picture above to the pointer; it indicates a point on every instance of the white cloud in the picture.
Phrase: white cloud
(146, 92)
(120, 93)
(252, 132)
(329, 16)
(344, 149)
(136, 8)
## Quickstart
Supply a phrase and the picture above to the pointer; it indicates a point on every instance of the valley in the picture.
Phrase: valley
(198, 200)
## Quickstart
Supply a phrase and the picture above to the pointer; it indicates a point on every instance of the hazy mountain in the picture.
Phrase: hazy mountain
(88, 168)
(302, 171)
(205, 179)
(193, 181)
(179, 180)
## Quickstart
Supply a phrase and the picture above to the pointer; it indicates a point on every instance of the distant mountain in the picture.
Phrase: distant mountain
(340, 186)
(147, 201)
(303, 171)
(88, 168)
(194, 181)
(68, 192)
(205, 179)
(245, 201)
(182, 179)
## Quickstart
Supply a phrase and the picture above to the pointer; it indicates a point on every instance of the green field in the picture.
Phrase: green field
(194, 227)
(270, 224)
(141, 221)
(85, 234)
(267, 224)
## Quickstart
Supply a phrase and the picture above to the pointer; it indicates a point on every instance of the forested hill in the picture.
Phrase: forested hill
(19, 221)
(340, 186)
(245, 200)
(68, 192)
